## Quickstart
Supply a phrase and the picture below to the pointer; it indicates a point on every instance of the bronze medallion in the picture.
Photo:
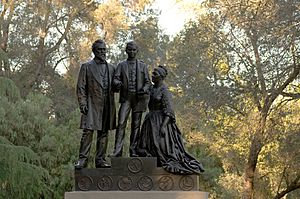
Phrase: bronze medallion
(125, 183)
(135, 165)
(145, 183)
(186, 183)
(105, 183)
(166, 183)
(84, 183)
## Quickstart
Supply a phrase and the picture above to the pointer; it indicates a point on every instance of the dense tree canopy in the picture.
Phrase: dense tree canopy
(243, 59)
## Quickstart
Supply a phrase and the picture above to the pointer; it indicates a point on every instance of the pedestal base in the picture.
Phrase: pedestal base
(136, 195)
(133, 174)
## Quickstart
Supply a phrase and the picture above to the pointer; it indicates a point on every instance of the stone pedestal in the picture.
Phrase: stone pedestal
(136, 195)
(133, 174)
(134, 178)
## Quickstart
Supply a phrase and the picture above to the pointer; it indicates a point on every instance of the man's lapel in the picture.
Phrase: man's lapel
(138, 73)
(125, 67)
(109, 71)
(95, 69)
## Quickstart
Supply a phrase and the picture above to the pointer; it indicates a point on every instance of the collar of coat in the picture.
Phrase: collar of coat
(98, 61)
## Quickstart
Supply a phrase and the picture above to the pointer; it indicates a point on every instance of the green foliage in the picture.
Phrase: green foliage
(21, 171)
(50, 148)
(151, 40)
(26, 121)
(9, 89)
(238, 63)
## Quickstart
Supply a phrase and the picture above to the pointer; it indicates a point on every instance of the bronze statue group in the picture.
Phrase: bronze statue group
(158, 135)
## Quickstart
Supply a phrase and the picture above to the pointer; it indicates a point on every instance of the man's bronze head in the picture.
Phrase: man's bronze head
(99, 49)
(132, 49)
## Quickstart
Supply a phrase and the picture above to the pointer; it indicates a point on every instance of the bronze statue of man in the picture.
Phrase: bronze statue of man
(97, 105)
(132, 80)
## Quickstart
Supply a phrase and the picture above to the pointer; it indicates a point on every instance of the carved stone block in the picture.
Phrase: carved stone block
(133, 174)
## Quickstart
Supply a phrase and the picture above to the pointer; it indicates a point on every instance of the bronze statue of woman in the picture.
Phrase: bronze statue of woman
(160, 136)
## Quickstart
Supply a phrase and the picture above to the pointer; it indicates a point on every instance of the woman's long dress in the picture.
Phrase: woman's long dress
(168, 148)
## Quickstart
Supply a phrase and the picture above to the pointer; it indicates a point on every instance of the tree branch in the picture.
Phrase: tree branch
(58, 62)
(281, 179)
(291, 95)
(63, 36)
(258, 65)
(253, 82)
(5, 25)
(291, 187)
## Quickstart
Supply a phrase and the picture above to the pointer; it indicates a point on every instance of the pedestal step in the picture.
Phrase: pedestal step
(137, 195)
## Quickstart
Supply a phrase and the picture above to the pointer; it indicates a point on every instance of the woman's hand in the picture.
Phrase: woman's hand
(162, 130)
(163, 127)
(83, 109)
(118, 85)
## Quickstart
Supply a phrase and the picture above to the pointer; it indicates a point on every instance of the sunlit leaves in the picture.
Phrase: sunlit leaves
(235, 59)
(111, 18)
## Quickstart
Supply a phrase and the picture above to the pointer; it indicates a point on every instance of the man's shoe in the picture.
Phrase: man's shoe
(103, 165)
(148, 154)
(114, 155)
(134, 155)
(80, 164)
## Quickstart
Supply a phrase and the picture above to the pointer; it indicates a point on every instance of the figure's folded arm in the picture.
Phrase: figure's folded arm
(117, 83)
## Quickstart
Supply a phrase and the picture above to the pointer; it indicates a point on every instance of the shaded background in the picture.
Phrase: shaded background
(233, 71)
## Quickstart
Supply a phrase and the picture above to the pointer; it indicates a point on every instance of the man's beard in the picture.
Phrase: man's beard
(102, 57)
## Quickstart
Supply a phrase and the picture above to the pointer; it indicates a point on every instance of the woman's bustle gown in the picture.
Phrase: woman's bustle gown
(168, 148)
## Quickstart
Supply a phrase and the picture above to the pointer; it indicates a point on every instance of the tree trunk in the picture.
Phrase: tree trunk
(4, 34)
(255, 148)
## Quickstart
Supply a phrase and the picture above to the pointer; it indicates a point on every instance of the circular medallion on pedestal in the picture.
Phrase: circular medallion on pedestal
(135, 165)
(84, 183)
(145, 183)
(186, 183)
(166, 183)
(105, 183)
(125, 183)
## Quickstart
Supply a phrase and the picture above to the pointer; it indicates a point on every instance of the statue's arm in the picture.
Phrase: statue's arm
(167, 103)
(169, 115)
(147, 83)
(81, 89)
(117, 83)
